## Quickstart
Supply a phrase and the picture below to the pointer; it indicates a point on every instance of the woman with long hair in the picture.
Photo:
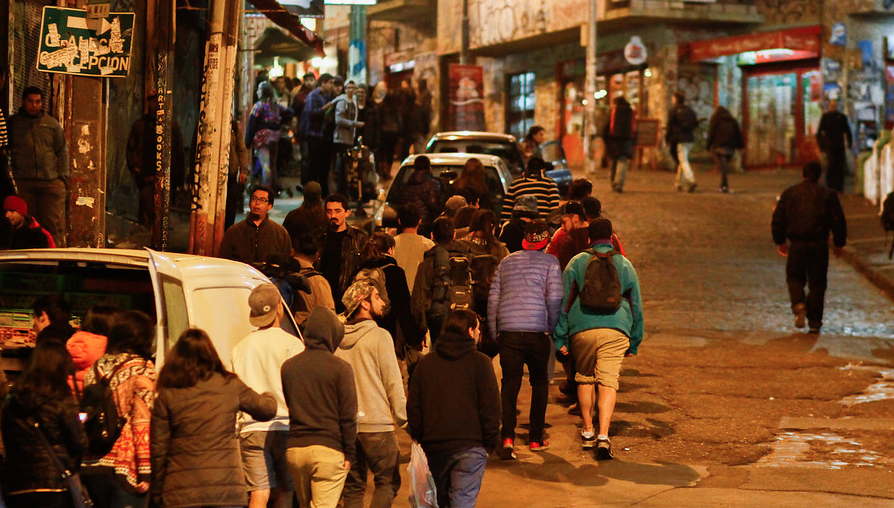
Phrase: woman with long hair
(120, 478)
(378, 253)
(195, 448)
(530, 145)
(41, 396)
(482, 239)
(472, 184)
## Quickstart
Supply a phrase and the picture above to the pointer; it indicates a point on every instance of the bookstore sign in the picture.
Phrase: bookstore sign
(72, 43)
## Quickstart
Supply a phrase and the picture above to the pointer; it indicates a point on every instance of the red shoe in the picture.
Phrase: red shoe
(539, 446)
(507, 452)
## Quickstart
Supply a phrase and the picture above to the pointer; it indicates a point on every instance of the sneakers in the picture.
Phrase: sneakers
(692, 187)
(724, 189)
(813, 329)
(539, 446)
(507, 453)
(603, 448)
(588, 438)
(617, 188)
(800, 311)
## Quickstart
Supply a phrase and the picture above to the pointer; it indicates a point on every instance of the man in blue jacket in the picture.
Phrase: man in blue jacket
(523, 306)
(599, 341)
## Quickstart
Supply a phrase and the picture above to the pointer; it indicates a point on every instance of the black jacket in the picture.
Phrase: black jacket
(681, 125)
(807, 212)
(250, 243)
(453, 402)
(29, 467)
(400, 317)
(29, 236)
(319, 388)
(350, 259)
(832, 130)
(724, 133)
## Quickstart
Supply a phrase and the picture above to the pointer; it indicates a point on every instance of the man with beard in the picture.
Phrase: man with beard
(369, 350)
(257, 238)
(341, 244)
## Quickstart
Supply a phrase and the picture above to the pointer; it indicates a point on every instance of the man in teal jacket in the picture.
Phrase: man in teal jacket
(599, 341)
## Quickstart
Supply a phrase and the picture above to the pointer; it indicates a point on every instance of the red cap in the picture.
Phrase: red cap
(16, 204)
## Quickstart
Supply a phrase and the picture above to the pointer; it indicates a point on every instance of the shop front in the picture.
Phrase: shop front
(781, 91)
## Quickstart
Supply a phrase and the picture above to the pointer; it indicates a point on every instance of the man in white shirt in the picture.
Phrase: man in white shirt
(257, 360)
(409, 246)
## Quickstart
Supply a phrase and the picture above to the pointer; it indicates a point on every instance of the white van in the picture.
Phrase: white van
(179, 290)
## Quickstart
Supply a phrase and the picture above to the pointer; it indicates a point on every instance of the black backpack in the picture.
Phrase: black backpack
(103, 424)
(602, 286)
(887, 217)
(453, 281)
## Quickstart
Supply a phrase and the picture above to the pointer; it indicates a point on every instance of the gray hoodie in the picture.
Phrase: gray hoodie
(380, 392)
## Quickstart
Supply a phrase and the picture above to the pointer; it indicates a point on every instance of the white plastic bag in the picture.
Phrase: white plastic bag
(423, 493)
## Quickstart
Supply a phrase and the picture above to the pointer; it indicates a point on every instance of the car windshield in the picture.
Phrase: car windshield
(494, 185)
(503, 149)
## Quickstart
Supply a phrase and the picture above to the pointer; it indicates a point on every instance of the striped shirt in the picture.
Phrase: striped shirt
(4, 140)
(542, 186)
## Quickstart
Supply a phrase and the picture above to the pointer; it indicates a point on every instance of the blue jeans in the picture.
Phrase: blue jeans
(377, 452)
(458, 476)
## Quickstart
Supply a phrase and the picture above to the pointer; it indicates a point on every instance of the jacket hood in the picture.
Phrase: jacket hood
(453, 346)
(323, 330)
(378, 262)
(355, 332)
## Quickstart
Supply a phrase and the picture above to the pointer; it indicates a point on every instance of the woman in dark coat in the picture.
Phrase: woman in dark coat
(724, 138)
(398, 319)
(31, 476)
(195, 450)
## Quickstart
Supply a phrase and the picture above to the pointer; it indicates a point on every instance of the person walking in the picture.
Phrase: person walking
(724, 138)
(195, 449)
(316, 148)
(523, 309)
(599, 341)
(833, 138)
(40, 407)
(39, 157)
(263, 133)
(346, 125)
(310, 217)
(381, 402)
(619, 134)
(390, 129)
(257, 360)
(804, 217)
(680, 136)
(341, 243)
(533, 182)
(322, 398)
(423, 193)
(409, 245)
(121, 478)
(453, 410)
(257, 238)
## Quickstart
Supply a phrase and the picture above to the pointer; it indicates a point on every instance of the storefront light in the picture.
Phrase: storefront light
(648, 73)
(316, 62)
(600, 94)
(276, 70)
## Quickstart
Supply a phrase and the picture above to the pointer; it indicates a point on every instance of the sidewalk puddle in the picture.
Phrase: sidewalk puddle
(792, 449)
(883, 389)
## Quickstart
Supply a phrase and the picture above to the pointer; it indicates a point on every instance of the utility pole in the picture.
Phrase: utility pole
(464, 48)
(589, 130)
(206, 218)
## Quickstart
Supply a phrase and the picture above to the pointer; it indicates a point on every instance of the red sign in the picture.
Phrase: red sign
(466, 97)
(800, 39)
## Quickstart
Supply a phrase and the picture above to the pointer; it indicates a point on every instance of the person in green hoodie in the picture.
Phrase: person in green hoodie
(369, 350)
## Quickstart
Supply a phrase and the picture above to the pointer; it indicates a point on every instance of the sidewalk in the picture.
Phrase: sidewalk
(867, 247)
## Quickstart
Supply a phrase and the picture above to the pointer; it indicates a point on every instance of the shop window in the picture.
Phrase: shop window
(520, 109)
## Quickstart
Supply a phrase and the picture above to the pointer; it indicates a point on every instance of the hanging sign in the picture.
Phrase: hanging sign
(71, 43)
(635, 51)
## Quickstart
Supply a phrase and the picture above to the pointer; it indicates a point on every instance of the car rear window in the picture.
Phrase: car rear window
(82, 285)
(506, 151)
(494, 185)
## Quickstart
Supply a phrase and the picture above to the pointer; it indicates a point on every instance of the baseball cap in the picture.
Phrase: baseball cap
(536, 236)
(360, 290)
(574, 208)
(263, 302)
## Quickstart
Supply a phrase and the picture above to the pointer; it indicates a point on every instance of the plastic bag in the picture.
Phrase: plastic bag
(423, 493)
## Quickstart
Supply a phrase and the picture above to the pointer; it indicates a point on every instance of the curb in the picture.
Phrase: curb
(883, 282)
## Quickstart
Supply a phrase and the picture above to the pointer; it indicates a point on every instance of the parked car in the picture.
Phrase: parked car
(447, 167)
(179, 290)
(504, 146)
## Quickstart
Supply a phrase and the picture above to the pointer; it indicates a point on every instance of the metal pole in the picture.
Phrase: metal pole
(164, 60)
(464, 49)
(590, 91)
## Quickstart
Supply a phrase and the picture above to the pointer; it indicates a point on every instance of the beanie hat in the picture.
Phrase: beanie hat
(15, 204)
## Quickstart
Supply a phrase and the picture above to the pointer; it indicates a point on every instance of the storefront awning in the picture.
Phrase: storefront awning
(276, 43)
(799, 39)
(284, 18)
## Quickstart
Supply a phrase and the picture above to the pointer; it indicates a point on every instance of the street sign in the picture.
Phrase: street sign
(70, 43)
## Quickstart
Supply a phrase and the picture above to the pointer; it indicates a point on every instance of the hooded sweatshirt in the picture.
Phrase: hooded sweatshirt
(85, 348)
(380, 391)
(453, 402)
(319, 389)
